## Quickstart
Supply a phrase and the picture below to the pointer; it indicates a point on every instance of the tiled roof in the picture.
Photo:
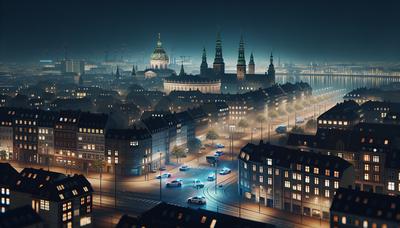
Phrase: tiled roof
(368, 204)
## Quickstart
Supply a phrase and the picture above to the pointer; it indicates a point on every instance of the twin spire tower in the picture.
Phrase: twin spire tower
(219, 65)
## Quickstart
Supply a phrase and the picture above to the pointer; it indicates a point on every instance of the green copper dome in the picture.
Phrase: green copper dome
(159, 52)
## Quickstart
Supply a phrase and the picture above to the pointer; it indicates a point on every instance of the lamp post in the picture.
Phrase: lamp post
(115, 184)
(160, 178)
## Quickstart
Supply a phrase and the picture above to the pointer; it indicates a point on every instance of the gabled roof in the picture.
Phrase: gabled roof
(284, 157)
(8, 174)
(367, 204)
(168, 215)
(51, 185)
(128, 134)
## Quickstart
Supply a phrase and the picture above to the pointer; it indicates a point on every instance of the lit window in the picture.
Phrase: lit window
(366, 176)
(307, 179)
(386, 142)
(327, 172)
(365, 224)
(316, 171)
(326, 183)
(287, 184)
(261, 179)
(316, 180)
(307, 169)
(44, 205)
(375, 158)
(366, 157)
(391, 186)
(85, 221)
(316, 191)
(326, 193)
(269, 161)
(344, 220)
(366, 167)
(336, 173)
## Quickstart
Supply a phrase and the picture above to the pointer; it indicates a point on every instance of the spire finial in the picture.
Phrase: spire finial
(159, 43)
(182, 70)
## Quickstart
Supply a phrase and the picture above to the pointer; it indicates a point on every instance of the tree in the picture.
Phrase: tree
(178, 152)
(212, 135)
(297, 130)
(194, 145)
(311, 124)
(3, 154)
(98, 165)
(260, 119)
(243, 124)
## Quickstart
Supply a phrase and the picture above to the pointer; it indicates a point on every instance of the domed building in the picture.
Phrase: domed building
(159, 59)
(158, 68)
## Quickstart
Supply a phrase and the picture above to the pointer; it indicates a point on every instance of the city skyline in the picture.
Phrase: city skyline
(296, 32)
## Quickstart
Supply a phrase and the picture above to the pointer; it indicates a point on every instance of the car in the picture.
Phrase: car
(201, 200)
(164, 175)
(174, 183)
(184, 168)
(198, 184)
(162, 168)
(219, 145)
(219, 153)
(211, 177)
(225, 171)
(281, 129)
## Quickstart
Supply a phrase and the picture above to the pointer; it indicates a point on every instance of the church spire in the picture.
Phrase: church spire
(117, 74)
(133, 71)
(182, 72)
(241, 63)
(219, 65)
(271, 69)
(204, 65)
(251, 64)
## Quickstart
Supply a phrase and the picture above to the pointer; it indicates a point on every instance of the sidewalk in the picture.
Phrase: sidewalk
(229, 195)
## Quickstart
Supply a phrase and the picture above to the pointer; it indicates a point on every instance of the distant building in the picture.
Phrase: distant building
(129, 151)
(354, 208)
(72, 66)
(168, 215)
(299, 182)
(342, 116)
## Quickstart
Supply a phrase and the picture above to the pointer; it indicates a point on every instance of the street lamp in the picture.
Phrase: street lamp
(160, 177)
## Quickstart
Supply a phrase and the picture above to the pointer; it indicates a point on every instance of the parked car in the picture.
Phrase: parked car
(198, 184)
(162, 168)
(164, 175)
(201, 200)
(174, 183)
(225, 171)
(281, 129)
(211, 177)
(184, 168)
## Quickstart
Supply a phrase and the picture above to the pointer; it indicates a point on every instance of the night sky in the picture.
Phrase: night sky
(302, 31)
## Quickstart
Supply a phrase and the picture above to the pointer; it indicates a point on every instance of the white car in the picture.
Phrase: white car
(174, 183)
(164, 175)
(211, 177)
(184, 168)
(198, 184)
(201, 200)
(225, 171)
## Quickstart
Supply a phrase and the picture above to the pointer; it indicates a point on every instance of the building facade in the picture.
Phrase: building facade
(299, 182)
